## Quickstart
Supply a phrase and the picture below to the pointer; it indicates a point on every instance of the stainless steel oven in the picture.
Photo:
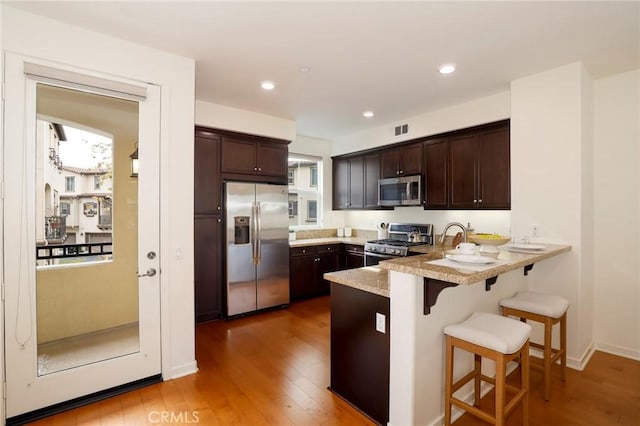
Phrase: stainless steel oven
(402, 236)
(372, 259)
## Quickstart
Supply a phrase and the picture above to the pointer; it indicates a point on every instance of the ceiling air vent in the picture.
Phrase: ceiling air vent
(400, 129)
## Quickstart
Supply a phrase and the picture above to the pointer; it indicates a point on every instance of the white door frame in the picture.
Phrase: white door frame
(98, 376)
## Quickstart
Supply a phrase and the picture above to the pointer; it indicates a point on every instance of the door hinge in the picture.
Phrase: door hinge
(4, 390)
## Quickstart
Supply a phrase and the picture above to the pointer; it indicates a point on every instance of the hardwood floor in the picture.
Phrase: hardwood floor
(273, 369)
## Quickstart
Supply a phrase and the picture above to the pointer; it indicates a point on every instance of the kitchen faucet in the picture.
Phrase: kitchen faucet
(449, 225)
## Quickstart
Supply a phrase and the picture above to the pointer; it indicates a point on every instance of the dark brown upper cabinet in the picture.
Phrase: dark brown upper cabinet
(494, 169)
(371, 177)
(348, 183)
(254, 158)
(464, 169)
(436, 178)
(401, 161)
(207, 185)
(479, 169)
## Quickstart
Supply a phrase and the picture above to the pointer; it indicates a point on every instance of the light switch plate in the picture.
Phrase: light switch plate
(381, 323)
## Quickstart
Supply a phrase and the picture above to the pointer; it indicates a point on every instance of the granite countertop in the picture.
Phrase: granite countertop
(327, 240)
(370, 278)
(374, 279)
(417, 265)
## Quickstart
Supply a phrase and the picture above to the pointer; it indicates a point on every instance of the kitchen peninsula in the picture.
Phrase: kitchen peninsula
(421, 297)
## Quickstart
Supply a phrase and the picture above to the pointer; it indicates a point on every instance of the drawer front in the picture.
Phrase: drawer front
(328, 248)
(302, 251)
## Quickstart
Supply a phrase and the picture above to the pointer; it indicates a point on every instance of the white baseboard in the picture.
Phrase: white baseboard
(618, 350)
(182, 370)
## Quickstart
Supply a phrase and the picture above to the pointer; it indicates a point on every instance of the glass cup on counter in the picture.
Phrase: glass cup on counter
(347, 231)
(340, 232)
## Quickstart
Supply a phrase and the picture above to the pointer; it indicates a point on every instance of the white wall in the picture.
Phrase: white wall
(617, 214)
(479, 111)
(550, 173)
(34, 36)
(223, 117)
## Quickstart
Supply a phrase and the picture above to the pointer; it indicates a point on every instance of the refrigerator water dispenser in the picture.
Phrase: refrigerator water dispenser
(241, 229)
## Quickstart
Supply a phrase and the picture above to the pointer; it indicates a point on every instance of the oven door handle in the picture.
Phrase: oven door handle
(388, 256)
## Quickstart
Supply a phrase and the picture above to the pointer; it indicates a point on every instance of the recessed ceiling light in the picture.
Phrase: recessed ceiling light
(305, 69)
(368, 114)
(447, 69)
(267, 85)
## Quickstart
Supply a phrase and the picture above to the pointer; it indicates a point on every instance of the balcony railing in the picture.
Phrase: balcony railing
(60, 251)
(55, 227)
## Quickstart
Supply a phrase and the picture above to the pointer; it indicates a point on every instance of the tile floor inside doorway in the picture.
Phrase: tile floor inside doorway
(88, 348)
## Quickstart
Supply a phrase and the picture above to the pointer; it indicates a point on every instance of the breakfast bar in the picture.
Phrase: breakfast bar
(426, 292)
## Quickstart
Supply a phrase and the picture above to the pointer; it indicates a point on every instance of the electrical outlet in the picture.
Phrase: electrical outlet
(535, 230)
(381, 323)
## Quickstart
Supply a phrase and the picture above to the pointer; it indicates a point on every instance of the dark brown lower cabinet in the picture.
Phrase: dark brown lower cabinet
(307, 266)
(208, 267)
(359, 353)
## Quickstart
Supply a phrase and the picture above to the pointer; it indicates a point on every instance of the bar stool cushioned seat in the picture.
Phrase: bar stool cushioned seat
(547, 309)
(497, 338)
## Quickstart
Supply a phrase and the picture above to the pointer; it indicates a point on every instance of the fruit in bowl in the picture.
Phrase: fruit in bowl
(488, 242)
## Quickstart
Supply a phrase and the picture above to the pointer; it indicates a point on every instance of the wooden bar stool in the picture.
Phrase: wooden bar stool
(548, 310)
(501, 340)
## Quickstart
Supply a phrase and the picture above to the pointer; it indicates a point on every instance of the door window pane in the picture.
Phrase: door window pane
(86, 296)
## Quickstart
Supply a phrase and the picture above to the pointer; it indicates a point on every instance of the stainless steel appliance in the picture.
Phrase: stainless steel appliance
(257, 246)
(400, 191)
(402, 236)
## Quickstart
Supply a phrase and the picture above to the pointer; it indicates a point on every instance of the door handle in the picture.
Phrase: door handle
(150, 273)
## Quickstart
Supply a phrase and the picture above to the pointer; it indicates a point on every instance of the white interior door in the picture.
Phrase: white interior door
(82, 282)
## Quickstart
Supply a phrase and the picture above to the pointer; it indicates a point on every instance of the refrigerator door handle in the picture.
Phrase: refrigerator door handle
(254, 254)
(259, 234)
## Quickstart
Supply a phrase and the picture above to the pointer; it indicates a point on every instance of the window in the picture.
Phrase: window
(293, 205)
(312, 210)
(313, 173)
(305, 191)
(65, 208)
(97, 179)
(70, 183)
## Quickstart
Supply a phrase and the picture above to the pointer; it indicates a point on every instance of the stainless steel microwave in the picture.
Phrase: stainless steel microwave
(400, 191)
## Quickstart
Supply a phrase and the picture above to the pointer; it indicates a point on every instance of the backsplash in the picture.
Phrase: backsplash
(333, 232)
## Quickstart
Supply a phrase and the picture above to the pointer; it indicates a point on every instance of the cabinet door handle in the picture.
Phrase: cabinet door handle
(259, 169)
(255, 169)
(479, 201)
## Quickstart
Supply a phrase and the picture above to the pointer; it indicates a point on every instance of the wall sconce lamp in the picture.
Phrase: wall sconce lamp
(134, 162)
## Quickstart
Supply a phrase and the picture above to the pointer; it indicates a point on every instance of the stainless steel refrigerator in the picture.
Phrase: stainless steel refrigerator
(257, 222)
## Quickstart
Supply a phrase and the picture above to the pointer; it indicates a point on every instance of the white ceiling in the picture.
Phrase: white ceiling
(379, 56)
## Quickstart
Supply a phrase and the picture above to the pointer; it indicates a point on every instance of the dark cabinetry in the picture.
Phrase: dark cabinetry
(307, 266)
(208, 267)
(360, 350)
(255, 159)
(402, 161)
(348, 183)
(480, 169)
(465, 169)
(220, 155)
(207, 226)
(436, 182)
(355, 182)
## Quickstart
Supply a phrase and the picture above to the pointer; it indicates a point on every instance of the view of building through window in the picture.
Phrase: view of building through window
(305, 194)
(75, 194)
